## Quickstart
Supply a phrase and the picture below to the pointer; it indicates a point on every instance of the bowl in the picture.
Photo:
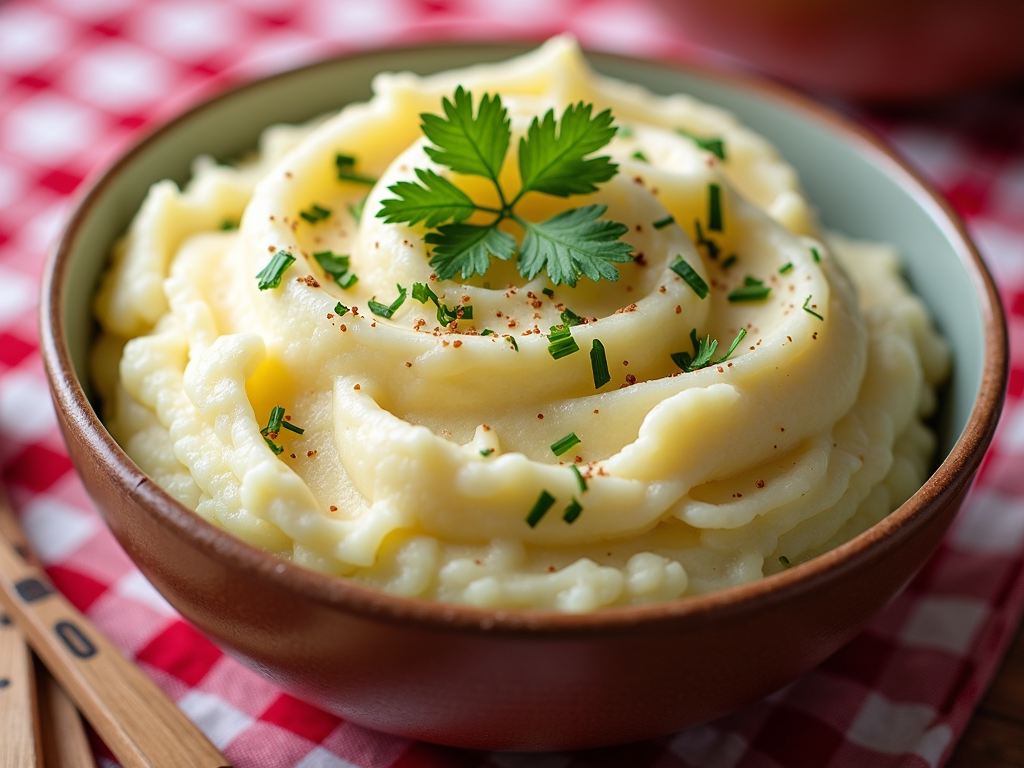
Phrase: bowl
(520, 679)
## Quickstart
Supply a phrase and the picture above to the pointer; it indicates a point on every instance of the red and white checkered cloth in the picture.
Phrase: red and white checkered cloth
(78, 78)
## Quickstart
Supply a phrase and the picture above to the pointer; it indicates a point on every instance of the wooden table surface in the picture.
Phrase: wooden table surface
(995, 736)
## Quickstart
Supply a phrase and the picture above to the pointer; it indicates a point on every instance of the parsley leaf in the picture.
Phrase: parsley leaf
(468, 144)
(572, 243)
(467, 248)
(436, 202)
(554, 162)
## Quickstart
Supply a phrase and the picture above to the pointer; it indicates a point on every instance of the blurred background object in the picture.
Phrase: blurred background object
(885, 50)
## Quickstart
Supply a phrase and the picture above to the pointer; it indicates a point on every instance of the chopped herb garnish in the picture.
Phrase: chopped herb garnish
(547, 292)
(274, 422)
(337, 266)
(732, 347)
(638, 155)
(580, 480)
(270, 275)
(807, 308)
(423, 293)
(346, 171)
(487, 332)
(544, 503)
(751, 290)
(599, 364)
(356, 209)
(689, 274)
(561, 342)
(570, 318)
(227, 225)
(387, 310)
(277, 449)
(729, 261)
(785, 561)
(711, 245)
(315, 213)
(624, 131)
(564, 444)
(703, 352)
(662, 223)
(815, 254)
(787, 267)
(572, 512)
(553, 159)
(512, 341)
(485, 452)
(714, 208)
(340, 309)
(713, 145)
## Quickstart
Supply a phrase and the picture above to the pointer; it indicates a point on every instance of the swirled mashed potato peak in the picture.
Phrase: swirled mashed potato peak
(452, 447)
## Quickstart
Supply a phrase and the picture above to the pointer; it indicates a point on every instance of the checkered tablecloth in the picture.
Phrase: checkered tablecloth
(79, 78)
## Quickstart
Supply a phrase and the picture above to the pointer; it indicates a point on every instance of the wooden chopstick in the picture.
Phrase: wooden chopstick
(19, 726)
(142, 727)
(65, 744)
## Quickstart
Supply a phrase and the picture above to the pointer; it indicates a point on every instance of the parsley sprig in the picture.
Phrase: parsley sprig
(554, 159)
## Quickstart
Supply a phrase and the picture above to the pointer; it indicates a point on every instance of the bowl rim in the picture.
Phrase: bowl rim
(951, 479)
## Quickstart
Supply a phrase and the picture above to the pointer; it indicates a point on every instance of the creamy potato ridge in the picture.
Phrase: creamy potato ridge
(426, 446)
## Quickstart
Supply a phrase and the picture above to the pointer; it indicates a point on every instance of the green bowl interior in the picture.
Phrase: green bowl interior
(856, 189)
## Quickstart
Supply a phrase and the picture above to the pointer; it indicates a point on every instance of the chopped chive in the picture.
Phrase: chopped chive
(714, 208)
(356, 209)
(599, 364)
(580, 480)
(785, 561)
(277, 449)
(487, 332)
(751, 290)
(732, 347)
(337, 266)
(270, 275)
(689, 274)
(547, 292)
(625, 131)
(787, 267)
(346, 165)
(386, 311)
(340, 309)
(561, 342)
(292, 428)
(544, 503)
(815, 254)
(512, 341)
(713, 145)
(572, 512)
(485, 452)
(570, 318)
(274, 422)
(564, 444)
(730, 260)
(227, 225)
(638, 155)
(662, 223)
(711, 245)
(315, 213)
(422, 293)
(808, 309)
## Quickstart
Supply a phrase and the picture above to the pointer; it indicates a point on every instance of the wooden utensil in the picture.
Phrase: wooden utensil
(65, 744)
(142, 727)
(19, 732)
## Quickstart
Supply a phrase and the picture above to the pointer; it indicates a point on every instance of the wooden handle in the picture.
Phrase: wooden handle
(19, 732)
(142, 727)
(65, 744)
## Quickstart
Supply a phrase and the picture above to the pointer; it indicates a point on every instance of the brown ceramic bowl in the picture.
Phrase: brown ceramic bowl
(517, 679)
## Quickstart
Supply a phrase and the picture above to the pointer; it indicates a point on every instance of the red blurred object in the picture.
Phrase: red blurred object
(886, 50)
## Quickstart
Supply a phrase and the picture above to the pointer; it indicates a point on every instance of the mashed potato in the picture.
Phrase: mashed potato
(426, 465)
